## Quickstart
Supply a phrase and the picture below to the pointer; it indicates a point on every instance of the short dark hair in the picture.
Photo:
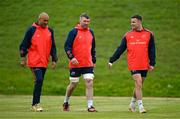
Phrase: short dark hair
(137, 17)
(85, 15)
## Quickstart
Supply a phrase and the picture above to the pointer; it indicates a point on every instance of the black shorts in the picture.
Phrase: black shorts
(76, 72)
(142, 72)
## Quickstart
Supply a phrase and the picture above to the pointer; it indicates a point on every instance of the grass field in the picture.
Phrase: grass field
(110, 21)
(18, 107)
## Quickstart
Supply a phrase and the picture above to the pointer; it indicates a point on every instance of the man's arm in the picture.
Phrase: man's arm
(118, 51)
(69, 43)
(25, 44)
(53, 48)
(93, 49)
(152, 51)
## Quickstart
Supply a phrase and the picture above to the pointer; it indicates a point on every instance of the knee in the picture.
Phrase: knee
(139, 85)
(39, 81)
(89, 83)
(73, 85)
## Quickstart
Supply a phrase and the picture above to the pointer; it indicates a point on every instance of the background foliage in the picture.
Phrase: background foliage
(110, 20)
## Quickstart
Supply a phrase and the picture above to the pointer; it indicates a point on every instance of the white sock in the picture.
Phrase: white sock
(66, 99)
(140, 104)
(90, 103)
(133, 101)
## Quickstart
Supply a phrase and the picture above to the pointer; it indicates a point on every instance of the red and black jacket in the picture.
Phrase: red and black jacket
(140, 49)
(38, 44)
(80, 44)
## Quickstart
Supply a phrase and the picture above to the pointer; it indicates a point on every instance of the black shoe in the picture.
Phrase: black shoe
(92, 109)
(66, 106)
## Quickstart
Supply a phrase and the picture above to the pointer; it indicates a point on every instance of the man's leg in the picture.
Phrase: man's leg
(70, 88)
(38, 82)
(74, 79)
(132, 105)
(89, 91)
(138, 86)
(138, 91)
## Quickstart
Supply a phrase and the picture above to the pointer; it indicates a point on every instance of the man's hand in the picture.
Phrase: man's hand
(74, 61)
(110, 65)
(23, 61)
(53, 66)
(94, 65)
(151, 68)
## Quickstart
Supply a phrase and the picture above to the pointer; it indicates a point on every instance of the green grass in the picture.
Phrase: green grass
(110, 21)
(18, 107)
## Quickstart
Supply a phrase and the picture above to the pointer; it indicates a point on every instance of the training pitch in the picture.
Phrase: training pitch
(18, 107)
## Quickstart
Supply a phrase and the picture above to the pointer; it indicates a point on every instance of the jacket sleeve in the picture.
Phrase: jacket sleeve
(118, 51)
(93, 49)
(152, 51)
(69, 43)
(26, 43)
(53, 47)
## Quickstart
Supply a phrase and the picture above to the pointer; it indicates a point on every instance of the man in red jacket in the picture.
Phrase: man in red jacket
(80, 49)
(140, 46)
(38, 44)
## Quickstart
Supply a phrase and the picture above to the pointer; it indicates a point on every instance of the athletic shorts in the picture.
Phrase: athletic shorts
(142, 72)
(87, 72)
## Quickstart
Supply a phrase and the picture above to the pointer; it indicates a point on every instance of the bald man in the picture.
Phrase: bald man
(38, 44)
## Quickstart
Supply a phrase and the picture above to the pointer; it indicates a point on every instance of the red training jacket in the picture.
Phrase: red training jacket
(81, 48)
(137, 49)
(39, 51)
